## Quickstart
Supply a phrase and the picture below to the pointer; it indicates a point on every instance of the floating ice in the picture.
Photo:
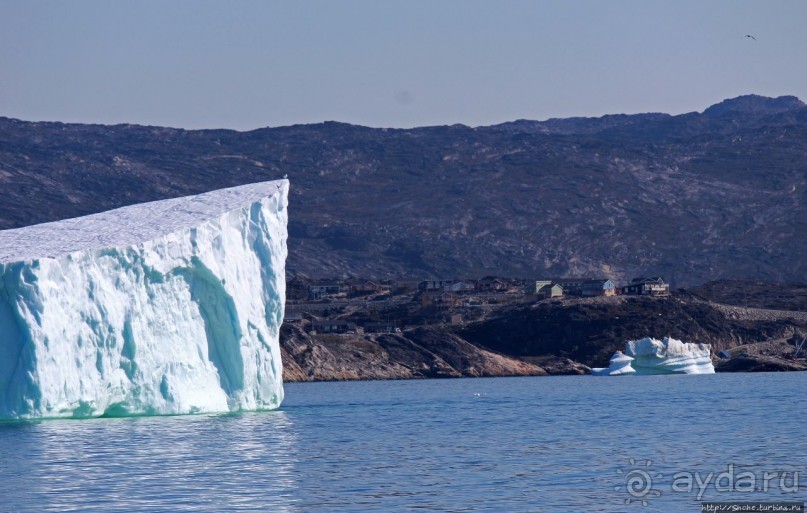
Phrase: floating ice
(159, 308)
(666, 356)
(618, 366)
(670, 356)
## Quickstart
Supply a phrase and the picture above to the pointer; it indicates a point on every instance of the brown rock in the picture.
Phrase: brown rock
(759, 363)
(419, 353)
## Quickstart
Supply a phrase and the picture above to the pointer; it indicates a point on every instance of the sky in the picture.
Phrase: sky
(386, 63)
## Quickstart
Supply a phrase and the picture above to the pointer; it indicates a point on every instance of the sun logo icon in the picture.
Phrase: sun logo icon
(639, 482)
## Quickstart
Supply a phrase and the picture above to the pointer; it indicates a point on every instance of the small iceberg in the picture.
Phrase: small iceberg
(666, 356)
(618, 366)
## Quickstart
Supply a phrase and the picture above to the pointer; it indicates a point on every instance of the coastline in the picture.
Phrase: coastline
(546, 337)
(368, 358)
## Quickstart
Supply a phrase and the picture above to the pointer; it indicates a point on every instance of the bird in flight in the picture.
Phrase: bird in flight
(752, 37)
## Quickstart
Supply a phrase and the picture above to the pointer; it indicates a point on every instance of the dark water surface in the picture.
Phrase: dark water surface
(504, 444)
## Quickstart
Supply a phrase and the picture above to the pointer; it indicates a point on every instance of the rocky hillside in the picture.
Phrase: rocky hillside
(694, 197)
(548, 337)
(754, 294)
(590, 330)
(419, 353)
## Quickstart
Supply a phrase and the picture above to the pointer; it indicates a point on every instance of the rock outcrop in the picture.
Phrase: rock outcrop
(418, 353)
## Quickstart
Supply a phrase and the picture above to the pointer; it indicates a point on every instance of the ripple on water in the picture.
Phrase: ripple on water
(502, 444)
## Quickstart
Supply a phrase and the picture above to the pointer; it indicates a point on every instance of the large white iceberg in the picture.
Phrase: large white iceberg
(666, 356)
(166, 307)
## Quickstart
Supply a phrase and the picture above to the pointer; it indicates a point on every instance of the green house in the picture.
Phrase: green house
(547, 289)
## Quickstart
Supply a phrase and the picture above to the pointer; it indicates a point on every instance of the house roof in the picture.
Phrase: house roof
(655, 279)
(598, 281)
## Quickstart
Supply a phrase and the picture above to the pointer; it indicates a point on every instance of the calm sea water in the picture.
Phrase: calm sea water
(505, 444)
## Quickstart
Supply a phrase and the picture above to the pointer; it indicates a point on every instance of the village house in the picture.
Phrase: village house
(548, 290)
(491, 284)
(404, 284)
(655, 286)
(332, 326)
(366, 287)
(434, 284)
(293, 317)
(322, 290)
(599, 287)
(571, 286)
(438, 298)
(459, 286)
(537, 285)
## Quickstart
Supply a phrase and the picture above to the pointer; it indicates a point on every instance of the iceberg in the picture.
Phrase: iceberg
(619, 365)
(168, 307)
(667, 356)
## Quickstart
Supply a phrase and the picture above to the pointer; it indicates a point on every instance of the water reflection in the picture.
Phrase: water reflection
(242, 462)
(482, 445)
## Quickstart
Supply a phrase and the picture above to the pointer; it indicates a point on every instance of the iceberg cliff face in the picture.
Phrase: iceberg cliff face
(666, 356)
(669, 356)
(159, 308)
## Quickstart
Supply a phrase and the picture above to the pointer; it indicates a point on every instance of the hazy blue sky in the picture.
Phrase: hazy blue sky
(247, 64)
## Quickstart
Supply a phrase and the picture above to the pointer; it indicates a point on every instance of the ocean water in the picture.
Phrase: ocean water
(541, 444)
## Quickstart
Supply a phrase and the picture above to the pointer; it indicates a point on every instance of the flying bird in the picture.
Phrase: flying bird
(752, 37)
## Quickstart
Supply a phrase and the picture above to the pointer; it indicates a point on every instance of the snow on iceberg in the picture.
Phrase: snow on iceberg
(166, 307)
(666, 356)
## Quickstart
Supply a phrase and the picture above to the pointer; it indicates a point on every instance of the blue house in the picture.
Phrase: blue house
(600, 287)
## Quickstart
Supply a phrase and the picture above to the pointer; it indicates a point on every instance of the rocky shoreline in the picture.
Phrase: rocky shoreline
(345, 361)
(365, 359)
(552, 337)
(419, 353)
(760, 363)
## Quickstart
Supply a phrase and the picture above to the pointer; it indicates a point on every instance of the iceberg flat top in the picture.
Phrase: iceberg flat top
(128, 225)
